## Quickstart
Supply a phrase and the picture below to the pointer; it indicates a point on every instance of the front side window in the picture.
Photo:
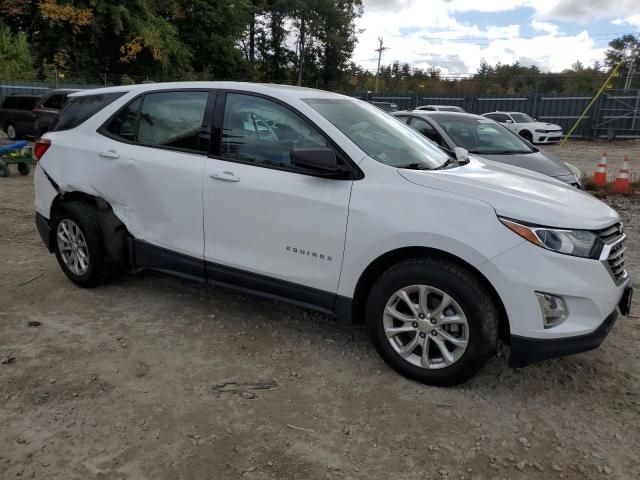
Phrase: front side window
(378, 134)
(80, 109)
(54, 102)
(426, 129)
(257, 130)
(522, 118)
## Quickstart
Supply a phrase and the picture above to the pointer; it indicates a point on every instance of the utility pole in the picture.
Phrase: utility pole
(301, 51)
(380, 49)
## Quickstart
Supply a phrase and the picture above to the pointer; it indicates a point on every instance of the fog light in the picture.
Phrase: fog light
(554, 309)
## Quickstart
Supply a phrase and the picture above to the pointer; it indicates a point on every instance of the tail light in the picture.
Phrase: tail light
(40, 147)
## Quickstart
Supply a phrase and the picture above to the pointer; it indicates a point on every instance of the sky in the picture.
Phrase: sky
(456, 35)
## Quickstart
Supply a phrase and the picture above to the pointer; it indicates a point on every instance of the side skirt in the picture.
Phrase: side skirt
(145, 255)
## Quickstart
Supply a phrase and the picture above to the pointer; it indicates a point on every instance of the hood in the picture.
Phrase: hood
(545, 163)
(543, 126)
(519, 194)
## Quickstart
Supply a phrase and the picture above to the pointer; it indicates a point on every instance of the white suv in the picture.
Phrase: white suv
(528, 128)
(330, 203)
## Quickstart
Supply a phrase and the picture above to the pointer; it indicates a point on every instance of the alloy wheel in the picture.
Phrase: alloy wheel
(426, 326)
(73, 247)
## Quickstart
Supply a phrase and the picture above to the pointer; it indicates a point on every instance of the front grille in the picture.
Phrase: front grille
(615, 239)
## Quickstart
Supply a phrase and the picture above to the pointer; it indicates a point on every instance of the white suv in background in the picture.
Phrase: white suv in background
(528, 128)
(328, 202)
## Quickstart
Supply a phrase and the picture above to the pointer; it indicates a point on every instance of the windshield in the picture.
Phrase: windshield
(481, 135)
(378, 134)
(521, 118)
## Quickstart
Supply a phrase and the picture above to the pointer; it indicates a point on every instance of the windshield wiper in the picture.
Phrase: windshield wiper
(414, 166)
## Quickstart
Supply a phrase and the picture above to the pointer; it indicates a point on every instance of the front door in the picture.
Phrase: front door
(269, 225)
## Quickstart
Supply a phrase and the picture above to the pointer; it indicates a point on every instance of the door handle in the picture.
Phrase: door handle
(109, 154)
(224, 176)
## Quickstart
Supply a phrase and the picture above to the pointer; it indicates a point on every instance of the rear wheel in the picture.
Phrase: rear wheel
(24, 168)
(12, 133)
(79, 246)
(4, 170)
(433, 321)
(526, 134)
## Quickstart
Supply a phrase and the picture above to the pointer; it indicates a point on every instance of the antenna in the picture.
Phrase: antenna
(380, 49)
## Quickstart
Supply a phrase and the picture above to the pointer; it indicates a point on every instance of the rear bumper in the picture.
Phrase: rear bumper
(42, 224)
(525, 351)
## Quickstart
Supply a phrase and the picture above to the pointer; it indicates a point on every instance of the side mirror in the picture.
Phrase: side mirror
(461, 153)
(508, 121)
(321, 161)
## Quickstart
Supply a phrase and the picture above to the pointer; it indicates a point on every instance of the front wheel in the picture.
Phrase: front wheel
(433, 321)
(526, 134)
(79, 246)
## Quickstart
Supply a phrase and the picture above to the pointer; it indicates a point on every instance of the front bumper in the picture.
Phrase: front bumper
(525, 351)
(587, 287)
(551, 137)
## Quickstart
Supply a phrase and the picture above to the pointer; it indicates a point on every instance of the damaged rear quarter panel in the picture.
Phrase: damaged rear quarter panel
(155, 193)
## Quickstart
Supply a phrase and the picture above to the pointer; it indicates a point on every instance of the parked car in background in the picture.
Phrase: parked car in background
(386, 106)
(46, 111)
(488, 139)
(338, 207)
(16, 115)
(441, 108)
(528, 128)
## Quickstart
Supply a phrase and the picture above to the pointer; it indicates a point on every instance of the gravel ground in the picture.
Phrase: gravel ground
(156, 378)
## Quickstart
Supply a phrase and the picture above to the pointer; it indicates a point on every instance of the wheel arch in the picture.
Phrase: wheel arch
(114, 232)
(378, 266)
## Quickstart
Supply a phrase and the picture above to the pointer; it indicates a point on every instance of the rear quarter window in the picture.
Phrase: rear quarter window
(78, 110)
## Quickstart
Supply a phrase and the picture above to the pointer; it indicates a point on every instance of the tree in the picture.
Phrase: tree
(15, 56)
(626, 48)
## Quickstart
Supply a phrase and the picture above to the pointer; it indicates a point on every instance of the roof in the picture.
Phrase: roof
(264, 88)
(438, 114)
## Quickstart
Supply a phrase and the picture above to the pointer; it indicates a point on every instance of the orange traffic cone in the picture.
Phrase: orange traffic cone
(621, 185)
(600, 177)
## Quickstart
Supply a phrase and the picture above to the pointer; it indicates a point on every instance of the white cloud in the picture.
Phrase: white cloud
(427, 34)
(546, 27)
(633, 20)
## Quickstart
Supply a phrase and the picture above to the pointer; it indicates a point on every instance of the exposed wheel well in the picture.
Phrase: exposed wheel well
(384, 262)
(113, 230)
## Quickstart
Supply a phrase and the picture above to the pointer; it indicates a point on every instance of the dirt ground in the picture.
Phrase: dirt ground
(156, 378)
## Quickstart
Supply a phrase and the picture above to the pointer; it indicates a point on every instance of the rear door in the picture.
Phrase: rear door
(25, 115)
(269, 225)
(150, 163)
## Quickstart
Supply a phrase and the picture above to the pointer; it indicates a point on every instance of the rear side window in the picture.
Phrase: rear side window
(165, 119)
(80, 109)
(10, 102)
(27, 103)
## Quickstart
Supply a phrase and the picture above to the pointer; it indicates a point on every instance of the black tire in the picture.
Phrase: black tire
(12, 133)
(464, 288)
(83, 215)
(526, 134)
(4, 170)
(24, 168)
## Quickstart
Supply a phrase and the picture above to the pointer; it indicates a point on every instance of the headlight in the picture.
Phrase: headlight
(574, 170)
(579, 243)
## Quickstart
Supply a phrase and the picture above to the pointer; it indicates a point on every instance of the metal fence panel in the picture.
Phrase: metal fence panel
(615, 114)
